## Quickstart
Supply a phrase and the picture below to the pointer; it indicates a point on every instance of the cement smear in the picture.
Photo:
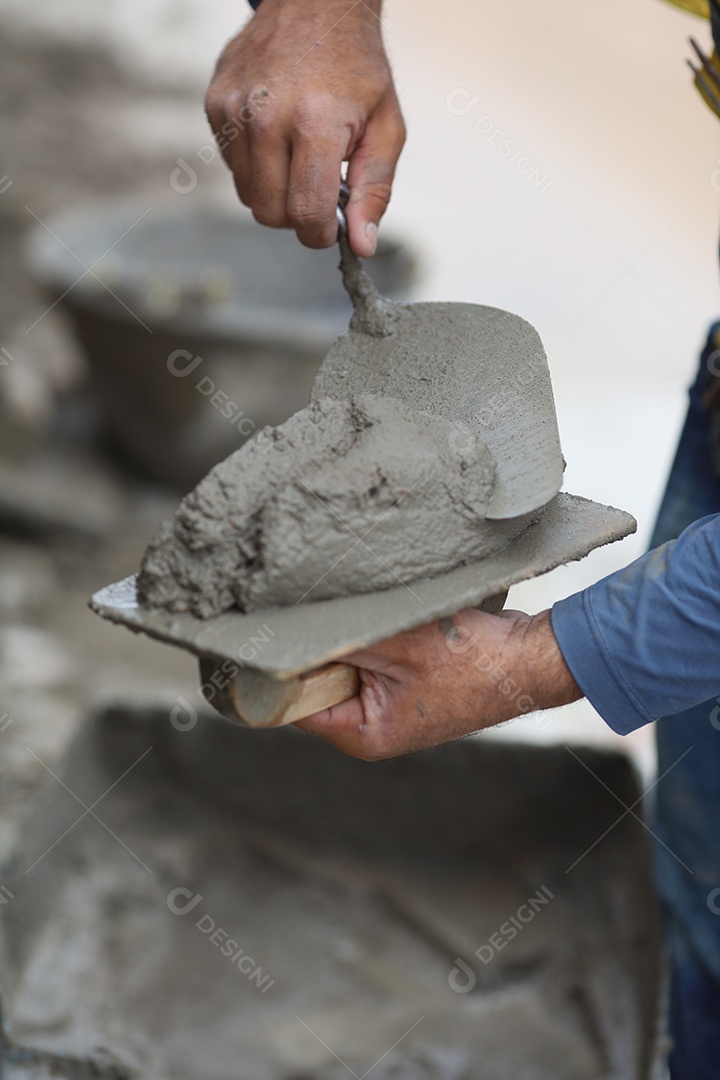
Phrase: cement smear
(481, 368)
(348, 496)
(372, 313)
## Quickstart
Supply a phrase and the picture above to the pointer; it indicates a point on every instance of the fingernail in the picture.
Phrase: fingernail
(371, 231)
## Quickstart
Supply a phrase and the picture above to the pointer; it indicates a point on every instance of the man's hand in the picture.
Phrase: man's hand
(304, 87)
(445, 680)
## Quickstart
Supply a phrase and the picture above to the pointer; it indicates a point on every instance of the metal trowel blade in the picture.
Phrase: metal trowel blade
(482, 368)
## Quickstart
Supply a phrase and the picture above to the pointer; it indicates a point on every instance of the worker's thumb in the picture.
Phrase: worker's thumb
(371, 171)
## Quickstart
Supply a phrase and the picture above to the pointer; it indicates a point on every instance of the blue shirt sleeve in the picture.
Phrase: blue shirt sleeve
(645, 641)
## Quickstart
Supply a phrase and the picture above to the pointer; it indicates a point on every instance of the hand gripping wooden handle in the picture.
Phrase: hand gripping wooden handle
(252, 698)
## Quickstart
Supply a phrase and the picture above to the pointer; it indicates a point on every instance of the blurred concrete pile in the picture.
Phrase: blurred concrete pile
(77, 122)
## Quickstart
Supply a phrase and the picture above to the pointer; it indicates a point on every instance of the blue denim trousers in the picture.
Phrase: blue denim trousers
(687, 810)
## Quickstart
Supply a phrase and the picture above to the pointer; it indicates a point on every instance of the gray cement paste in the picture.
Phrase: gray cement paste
(346, 497)
(372, 313)
(480, 367)
(430, 442)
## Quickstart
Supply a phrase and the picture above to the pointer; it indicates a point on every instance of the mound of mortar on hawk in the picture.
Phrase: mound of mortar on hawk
(347, 496)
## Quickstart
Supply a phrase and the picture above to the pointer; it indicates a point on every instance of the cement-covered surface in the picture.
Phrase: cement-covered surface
(431, 426)
(263, 907)
(346, 497)
(482, 368)
(288, 640)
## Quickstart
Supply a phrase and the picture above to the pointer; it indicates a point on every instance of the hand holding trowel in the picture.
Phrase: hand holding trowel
(423, 478)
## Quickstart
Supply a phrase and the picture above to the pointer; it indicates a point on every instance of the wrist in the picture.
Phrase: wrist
(331, 30)
(334, 10)
(541, 664)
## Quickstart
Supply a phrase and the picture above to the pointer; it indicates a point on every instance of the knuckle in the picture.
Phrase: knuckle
(215, 108)
(314, 240)
(314, 115)
(263, 125)
(258, 109)
(243, 191)
(308, 210)
(313, 236)
(307, 217)
(375, 743)
(311, 205)
(236, 105)
(377, 752)
(265, 216)
(267, 195)
(378, 194)
(259, 95)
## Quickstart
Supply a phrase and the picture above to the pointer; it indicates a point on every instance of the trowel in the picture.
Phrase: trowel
(482, 368)
(485, 371)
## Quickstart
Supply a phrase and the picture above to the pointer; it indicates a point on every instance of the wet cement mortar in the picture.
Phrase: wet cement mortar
(348, 496)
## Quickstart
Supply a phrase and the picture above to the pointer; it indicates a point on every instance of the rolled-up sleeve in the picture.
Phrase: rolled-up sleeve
(645, 641)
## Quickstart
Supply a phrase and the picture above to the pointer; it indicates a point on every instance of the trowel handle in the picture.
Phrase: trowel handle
(343, 199)
(252, 698)
(493, 604)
